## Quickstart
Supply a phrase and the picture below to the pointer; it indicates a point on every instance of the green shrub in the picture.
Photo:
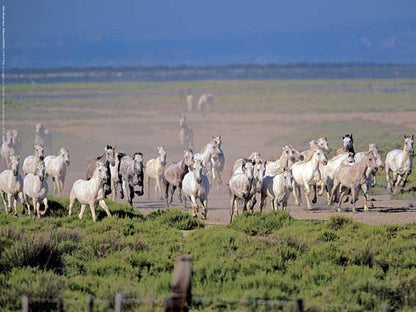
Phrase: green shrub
(176, 218)
(261, 223)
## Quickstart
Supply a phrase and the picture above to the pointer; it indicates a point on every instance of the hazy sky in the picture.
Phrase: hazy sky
(36, 24)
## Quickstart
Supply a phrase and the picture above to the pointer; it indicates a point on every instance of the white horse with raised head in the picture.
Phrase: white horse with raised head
(36, 188)
(286, 160)
(195, 185)
(11, 185)
(209, 151)
(307, 174)
(154, 171)
(89, 192)
(29, 164)
(400, 163)
(56, 168)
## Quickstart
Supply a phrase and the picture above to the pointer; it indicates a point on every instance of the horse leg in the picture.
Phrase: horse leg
(296, 193)
(314, 199)
(204, 203)
(36, 204)
(54, 185)
(131, 195)
(3, 197)
(275, 202)
(113, 191)
(341, 197)
(14, 198)
(366, 196)
(353, 193)
(81, 213)
(27, 205)
(92, 208)
(159, 187)
(404, 179)
(396, 184)
(194, 206)
(389, 186)
(185, 202)
(105, 207)
(172, 192)
(180, 193)
(22, 201)
(9, 202)
(232, 208)
(167, 194)
(148, 186)
(262, 201)
(45, 203)
(307, 192)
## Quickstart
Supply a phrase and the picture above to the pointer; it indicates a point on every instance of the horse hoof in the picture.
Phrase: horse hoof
(314, 201)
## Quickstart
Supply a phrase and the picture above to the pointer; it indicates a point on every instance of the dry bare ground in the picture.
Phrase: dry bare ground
(85, 126)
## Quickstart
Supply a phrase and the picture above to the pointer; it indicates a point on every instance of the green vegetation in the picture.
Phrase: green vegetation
(337, 265)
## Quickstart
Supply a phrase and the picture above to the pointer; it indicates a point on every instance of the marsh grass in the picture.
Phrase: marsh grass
(337, 265)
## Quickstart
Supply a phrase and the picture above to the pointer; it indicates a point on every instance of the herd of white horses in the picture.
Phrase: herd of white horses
(312, 171)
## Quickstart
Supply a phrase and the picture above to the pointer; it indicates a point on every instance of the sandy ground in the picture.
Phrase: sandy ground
(132, 131)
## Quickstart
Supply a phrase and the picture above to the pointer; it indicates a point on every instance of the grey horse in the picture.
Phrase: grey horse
(174, 174)
(132, 175)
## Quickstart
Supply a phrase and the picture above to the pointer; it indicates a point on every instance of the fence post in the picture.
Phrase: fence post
(25, 303)
(299, 305)
(180, 288)
(90, 303)
(119, 302)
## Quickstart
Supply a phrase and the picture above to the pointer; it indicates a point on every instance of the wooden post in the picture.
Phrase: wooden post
(180, 297)
(90, 303)
(25, 303)
(119, 302)
(299, 305)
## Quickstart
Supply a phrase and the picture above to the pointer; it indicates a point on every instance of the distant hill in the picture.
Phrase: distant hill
(187, 72)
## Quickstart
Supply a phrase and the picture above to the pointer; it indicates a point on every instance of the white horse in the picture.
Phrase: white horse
(190, 103)
(277, 188)
(286, 160)
(195, 185)
(36, 187)
(240, 186)
(43, 137)
(11, 185)
(29, 164)
(307, 174)
(186, 134)
(154, 170)
(89, 192)
(8, 148)
(217, 162)
(321, 143)
(205, 103)
(399, 162)
(208, 152)
(56, 168)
